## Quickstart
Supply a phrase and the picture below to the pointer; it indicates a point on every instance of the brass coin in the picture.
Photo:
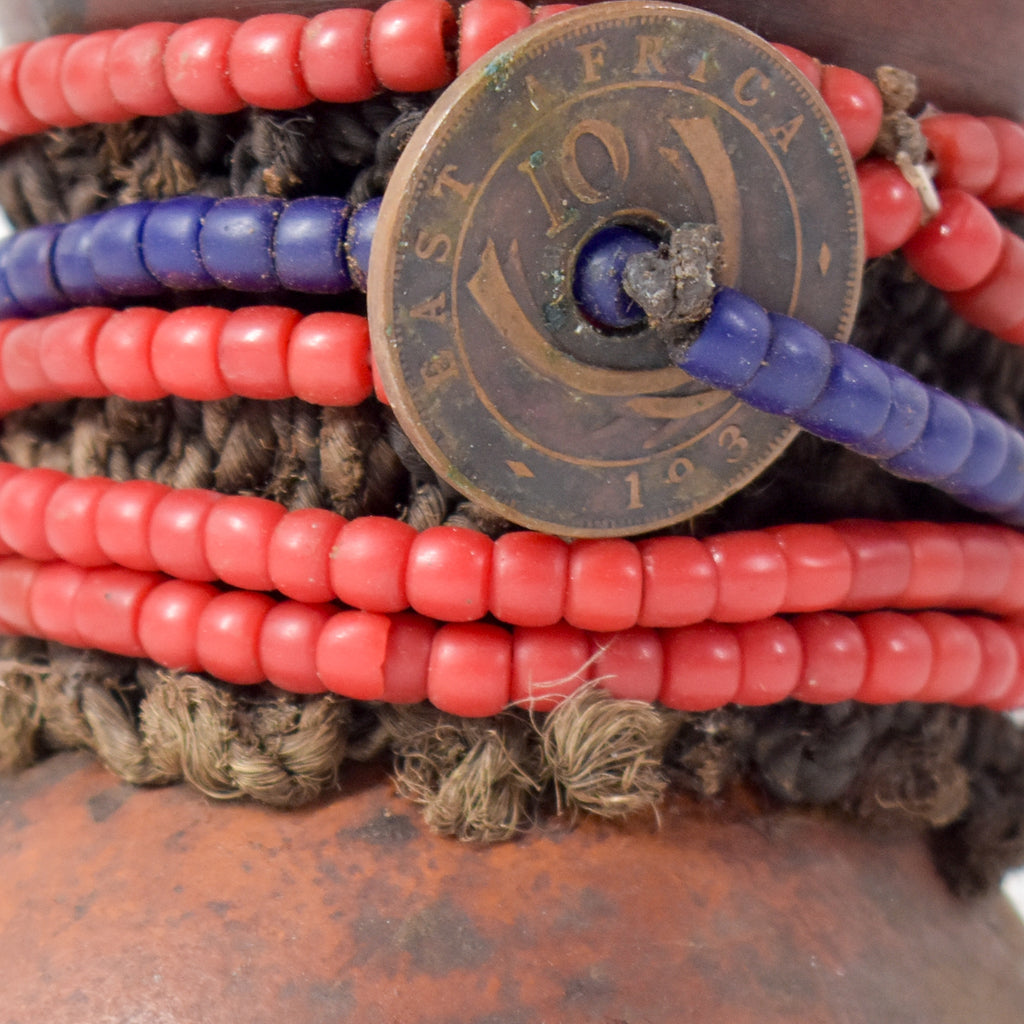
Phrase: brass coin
(644, 114)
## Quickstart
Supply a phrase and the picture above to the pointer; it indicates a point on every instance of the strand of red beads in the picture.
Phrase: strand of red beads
(475, 669)
(962, 250)
(198, 352)
(285, 61)
(522, 578)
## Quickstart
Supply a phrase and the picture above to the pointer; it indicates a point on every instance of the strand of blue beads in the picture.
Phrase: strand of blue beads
(250, 244)
(839, 393)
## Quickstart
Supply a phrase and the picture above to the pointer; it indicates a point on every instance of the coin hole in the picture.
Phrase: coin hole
(597, 276)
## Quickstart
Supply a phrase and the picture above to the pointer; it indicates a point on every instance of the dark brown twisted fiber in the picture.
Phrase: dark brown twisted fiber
(321, 150)
(151, 727)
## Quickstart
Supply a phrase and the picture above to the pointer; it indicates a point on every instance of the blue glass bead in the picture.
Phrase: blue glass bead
(116, 251)
(362, 223)
(170, 243)
(9, 305)
(597, 282)
(908, 414)
(237, 243)
(1005, 492)
(731, 344)
(795, 369)
(856, 401)
(944, 443)
(990, 446)
(27, 263)
(309, 246)
(72, 264)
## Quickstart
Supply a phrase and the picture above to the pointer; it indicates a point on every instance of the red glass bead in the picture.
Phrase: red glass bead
(368, 563)
(84, 80)
(20, 362)
(936, 565)
(39, 82)
(470, 670)
(237, 538)
(959, 246)
(485, 23)
(957, 660)
(900, 656)
(856, 104)
(177, 526)
(16, 578)
(819, 566)
(196, 66)
(51, 602)
(892, 208)
(880, 560)
(334, 56)
(252, 351)
(351, 654)
(604, 585)
(7, 472)
(371, 656)
(628, 664)
(263, 62)
(106, 609)
(67, 351)
(528, 578)
(1007, 189)
(448, 574)
(1000, 663)
(1014, 696)
(965, 151)
(23, 501)
(1011, 600)
(288, 644)
(809, 66)
(299, 553)
(329, 359)
(549, 663)
(15, 117)
(409, 44)
(771, 661)
(997, 303)
(184, 351)
(228, 636)
(169, 623)
(10, 398)
(123, 354)
(986, 564)
(407, 660)
(702, 667)
(135, 67)
(123, 517)
(751, 575)
(69, 520)
(835, 658)
(680, 581)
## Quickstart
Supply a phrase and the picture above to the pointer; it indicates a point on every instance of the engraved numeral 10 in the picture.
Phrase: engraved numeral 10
(572, 174)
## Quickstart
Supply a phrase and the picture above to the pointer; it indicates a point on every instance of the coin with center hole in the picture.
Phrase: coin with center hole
(634, 114)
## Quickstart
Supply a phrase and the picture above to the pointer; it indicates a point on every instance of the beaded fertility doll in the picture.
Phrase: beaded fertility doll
(530, 524)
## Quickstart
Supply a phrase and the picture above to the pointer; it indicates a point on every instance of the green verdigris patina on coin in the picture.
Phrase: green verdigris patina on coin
(642, 114)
